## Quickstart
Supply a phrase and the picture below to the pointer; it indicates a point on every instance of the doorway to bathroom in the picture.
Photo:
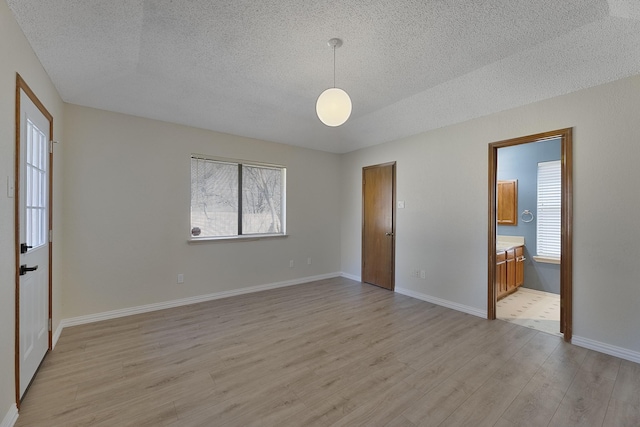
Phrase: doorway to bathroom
(530, 189)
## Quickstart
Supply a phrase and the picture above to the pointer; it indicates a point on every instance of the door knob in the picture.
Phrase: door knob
(24, 269)
(24, 248)
(388, 233)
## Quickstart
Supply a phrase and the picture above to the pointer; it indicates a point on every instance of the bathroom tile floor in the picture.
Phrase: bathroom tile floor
(531, 308)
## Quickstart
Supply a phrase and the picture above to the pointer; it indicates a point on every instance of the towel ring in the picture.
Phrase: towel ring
(526, 216)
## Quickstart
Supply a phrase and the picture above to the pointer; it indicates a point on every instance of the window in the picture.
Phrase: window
(230, 199)
(549, 209)
(36, 186)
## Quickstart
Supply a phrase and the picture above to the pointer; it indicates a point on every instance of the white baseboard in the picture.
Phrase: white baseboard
(612, 350)
(90, 318)
(351, 276)
(445, 303)
(11, 417)
(424, 297)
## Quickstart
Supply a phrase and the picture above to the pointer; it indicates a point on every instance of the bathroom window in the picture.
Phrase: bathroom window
(230, 199)
(549, 209)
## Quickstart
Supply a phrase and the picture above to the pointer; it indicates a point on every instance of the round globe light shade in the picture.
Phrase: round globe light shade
(333, 107)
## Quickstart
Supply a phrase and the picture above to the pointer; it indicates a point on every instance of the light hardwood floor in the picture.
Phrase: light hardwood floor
(328, 353)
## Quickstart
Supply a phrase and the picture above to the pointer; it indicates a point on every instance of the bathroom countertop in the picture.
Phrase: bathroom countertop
(504, 243)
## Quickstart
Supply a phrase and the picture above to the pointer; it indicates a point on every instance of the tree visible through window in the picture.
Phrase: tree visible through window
(232, 199)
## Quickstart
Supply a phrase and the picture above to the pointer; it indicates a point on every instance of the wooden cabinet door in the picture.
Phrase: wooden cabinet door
(511, 269)
(501, 274)
(519, 266)
(507, 196)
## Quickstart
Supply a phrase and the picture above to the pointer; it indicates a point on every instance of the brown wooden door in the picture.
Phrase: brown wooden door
(378, 225)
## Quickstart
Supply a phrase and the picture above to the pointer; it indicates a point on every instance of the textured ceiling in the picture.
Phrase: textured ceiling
(255, 68)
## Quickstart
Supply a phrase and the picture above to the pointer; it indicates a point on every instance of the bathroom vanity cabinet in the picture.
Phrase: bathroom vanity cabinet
(509, 270)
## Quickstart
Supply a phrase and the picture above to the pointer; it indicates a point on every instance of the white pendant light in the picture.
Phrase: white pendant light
(333, 105)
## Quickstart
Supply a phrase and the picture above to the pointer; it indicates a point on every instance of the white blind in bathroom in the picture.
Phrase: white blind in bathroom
(549, 209)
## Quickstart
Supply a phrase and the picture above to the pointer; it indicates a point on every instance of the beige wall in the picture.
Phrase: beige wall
(17, 57)
(442, 177)
(126, 214)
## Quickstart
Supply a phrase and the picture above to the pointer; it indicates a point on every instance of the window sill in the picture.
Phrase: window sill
(547, 259)
(244, 238)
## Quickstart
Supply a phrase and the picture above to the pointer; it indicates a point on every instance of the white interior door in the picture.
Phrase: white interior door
(34, 239)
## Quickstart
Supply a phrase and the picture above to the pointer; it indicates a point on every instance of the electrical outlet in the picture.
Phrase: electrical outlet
(291, 264)
(423, 274)
(180, 278)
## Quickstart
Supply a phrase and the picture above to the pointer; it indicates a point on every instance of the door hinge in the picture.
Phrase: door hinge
(50, 236)
(51, 146)
(49, 325)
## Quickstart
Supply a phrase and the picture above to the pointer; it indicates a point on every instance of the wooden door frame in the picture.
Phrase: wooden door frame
(21, 85)
(566, 227)
(393, 222)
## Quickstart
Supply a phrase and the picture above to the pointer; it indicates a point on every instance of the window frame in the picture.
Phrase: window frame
(240, 234)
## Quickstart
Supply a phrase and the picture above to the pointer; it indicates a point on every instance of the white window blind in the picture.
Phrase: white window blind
(549, 209)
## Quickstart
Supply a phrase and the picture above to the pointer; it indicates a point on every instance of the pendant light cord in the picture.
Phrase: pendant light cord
(334, 66)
